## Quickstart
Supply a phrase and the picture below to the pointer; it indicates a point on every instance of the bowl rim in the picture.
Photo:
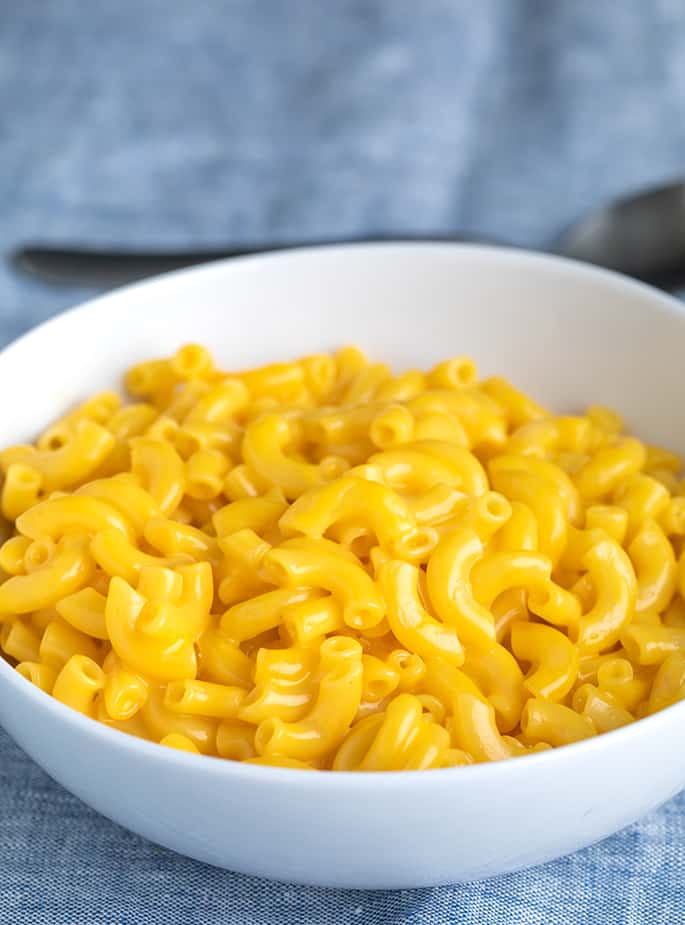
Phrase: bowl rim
(538, 261)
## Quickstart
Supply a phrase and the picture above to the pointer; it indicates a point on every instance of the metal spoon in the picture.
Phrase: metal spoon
(642, 235)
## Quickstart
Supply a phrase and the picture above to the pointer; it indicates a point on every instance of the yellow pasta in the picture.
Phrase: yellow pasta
(158, 721)
(642, 497)
(554, 723)
(449, 586)
(400, 738)
(627, 685)
(160, 470)
(87, 446)
(338, 698)
(12, 555)
(85, 611)
(154, 628)
(59, 642)
(669, 684)
(117, 556)
(67, 514)
(259, 614)
(613, 576)
(125, 494)
(309, 620)
(180, 743)
(601, 707)
(518, 483)
(66, 571)
(475, 729)
(412, 624)
(20, 641)
(553, 657)
(499, 677)
(655, 568)
(235, 740)
(544, 433)
(78, 682)
(204, 698)
(21, 489)
(40, 674)
(221, 660)
(321, 564)
(283, 685)
(125, 691)
(314, 565)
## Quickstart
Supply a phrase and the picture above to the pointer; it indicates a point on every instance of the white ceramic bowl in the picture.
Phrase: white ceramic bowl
(571, 335)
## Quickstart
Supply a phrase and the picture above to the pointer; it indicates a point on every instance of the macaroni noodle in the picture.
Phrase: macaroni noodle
(322, 565)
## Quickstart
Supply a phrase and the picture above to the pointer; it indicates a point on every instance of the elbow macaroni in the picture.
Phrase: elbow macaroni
(320, 565)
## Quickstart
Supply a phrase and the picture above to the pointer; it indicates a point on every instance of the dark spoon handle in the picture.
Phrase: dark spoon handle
(75, 266)
(83, 267)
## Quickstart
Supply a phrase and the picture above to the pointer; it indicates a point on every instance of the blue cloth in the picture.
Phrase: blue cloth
(172, 123)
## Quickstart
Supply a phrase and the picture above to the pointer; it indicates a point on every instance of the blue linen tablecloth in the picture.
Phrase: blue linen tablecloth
(172, 123)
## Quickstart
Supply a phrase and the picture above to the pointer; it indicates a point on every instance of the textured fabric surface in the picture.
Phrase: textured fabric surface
(172, 123)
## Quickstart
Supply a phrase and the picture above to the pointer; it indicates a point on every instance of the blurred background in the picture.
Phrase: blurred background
(166, 123)
(172, 124)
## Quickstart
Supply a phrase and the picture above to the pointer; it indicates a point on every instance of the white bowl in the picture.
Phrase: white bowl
(571, 335)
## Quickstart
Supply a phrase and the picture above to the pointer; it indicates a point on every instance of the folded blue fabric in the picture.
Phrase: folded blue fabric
(170, 123)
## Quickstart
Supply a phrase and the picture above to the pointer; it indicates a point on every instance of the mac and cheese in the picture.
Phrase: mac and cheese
(320, 565)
